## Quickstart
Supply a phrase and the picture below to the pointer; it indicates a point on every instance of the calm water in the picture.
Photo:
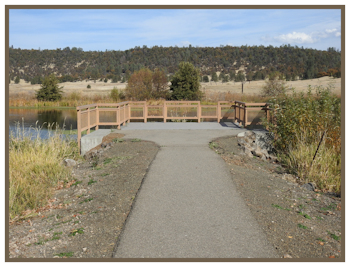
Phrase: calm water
(33, 118)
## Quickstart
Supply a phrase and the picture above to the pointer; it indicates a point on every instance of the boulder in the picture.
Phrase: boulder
(257, 143)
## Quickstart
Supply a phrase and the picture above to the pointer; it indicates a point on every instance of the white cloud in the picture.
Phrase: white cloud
(296, 37)
(337, 34)
(330, 31)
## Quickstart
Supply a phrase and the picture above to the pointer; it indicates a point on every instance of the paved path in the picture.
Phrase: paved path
(188, 206)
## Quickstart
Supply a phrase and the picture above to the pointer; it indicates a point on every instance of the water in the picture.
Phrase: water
(29, 119)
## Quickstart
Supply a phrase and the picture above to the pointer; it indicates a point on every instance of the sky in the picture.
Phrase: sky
(122, 29)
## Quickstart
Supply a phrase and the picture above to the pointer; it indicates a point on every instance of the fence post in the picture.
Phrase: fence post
(129, 113)
(88, 130)
(245, 116)
(165, 112)
(145, 111)
(79, 128)
(218, 111)
(199, 111)
(235, 112)
(118, 117)
(97, 117)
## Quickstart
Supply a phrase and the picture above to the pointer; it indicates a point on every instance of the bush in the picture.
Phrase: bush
(274, 87)
(89, 86)
(115, 94)
(49, 90)
(298, 122)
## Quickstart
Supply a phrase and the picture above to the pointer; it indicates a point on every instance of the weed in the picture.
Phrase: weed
(136, 140)
(279, 207)
(63, 222)
(104, 174)
(76, 222)
(86, 200)
(92, 181)
(76, 183)
(320, 239)
(330, 207)
(41, 241)
(334, 236)
(118, 140)
(213, 145)
(65, 254)
(76, 231)
(305, 215)
(107, 160)
(98, 168)
(301, 206)
(319, 218)
(302, 226)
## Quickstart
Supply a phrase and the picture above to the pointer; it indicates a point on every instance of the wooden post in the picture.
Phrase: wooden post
(88, 130)
(165, 112)
(145, 111)
(118, 117)
(245, 116)
(79, 128)
(235, 112)
(129, 113)
(218, 112)
(97, 118)
(199, 111)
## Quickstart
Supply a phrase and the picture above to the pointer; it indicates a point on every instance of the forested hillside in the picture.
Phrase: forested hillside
(253, 62)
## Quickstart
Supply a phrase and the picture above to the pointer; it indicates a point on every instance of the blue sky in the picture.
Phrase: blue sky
(117, 29)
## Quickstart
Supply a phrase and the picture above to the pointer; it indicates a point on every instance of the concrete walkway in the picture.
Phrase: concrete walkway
(188, 206)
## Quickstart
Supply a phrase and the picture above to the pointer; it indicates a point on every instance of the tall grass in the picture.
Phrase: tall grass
(298, 122)
(35, 168)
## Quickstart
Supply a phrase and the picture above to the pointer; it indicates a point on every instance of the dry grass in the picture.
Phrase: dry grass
(35, 167)
(324, 171)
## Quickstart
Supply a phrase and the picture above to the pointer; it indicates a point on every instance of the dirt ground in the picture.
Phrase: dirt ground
(298, 223)
(252, 87)
(86, 217)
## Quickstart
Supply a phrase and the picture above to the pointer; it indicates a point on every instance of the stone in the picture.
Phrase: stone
(257, 143)
(309, 186)
(69, 162)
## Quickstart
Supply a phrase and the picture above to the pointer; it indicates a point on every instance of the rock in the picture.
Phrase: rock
(309, 186)
(106, 145)
(257, 143)
(69, 162)
(84, 249)
(287, 256)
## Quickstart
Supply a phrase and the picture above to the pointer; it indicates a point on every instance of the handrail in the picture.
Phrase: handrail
(89, 116)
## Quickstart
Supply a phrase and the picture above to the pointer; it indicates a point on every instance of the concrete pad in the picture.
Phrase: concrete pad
(92, 140)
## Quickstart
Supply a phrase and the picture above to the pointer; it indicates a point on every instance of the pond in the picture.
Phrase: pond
(31, 119)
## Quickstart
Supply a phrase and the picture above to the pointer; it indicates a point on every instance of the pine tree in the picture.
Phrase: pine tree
(185, 83)
(49, 90)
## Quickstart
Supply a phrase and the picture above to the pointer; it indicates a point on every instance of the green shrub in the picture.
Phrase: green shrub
(298, 122)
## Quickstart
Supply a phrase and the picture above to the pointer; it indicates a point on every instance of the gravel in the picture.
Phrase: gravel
(298, 222)
(86, 219)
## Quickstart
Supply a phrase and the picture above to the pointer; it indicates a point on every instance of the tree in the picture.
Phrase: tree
(185, 83)
(17, 79)
(49, 90)
(206, 79)
(145, 84)
(214, 77)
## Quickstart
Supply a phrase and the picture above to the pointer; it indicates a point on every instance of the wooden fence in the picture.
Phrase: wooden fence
(117, 114)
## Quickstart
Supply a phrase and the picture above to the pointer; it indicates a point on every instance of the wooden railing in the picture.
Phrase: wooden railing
(117, 114)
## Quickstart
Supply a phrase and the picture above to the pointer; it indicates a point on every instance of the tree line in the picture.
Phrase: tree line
(233, 63)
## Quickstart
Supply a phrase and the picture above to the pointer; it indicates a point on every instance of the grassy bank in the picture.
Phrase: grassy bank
(36, 168)
(301, 124)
